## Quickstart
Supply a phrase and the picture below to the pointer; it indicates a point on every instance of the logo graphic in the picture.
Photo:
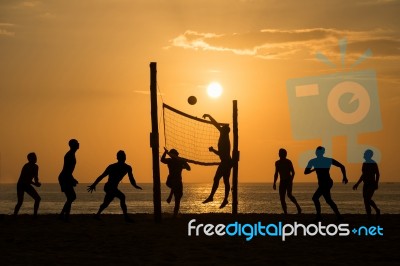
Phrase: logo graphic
(339, 104)
(281, 230)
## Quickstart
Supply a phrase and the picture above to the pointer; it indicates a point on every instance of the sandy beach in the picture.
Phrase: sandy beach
(112, 241)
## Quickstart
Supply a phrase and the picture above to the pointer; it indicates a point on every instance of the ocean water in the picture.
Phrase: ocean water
(253, 198)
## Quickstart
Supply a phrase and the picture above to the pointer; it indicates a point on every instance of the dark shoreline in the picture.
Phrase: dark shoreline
(111, 241)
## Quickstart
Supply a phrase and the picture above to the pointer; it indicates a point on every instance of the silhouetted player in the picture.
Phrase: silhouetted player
(224, 167)
(284, 168)
(29, 171)
(321, 165)
(174, 179)
(115, 173)
(67, 180)
(370, 176)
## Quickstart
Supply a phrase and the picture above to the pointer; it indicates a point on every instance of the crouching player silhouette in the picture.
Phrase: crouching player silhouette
(115, 173)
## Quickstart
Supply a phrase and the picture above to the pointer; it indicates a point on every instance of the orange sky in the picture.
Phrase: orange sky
(80, 69)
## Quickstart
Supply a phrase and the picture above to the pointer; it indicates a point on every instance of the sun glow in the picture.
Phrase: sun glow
(214, 90)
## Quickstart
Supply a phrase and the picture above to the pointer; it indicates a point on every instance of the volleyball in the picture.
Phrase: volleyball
(192, 100)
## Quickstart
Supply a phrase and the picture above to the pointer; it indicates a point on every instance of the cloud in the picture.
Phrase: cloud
(394, 100)
(376, 2)
(283, 44)
(6, 32)
(29, 4)
(4, 29)
(38, 8)
(47, 15)
(6, 25)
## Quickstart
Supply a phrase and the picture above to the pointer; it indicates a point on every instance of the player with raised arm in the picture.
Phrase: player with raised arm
(174, 179)
(225, 166)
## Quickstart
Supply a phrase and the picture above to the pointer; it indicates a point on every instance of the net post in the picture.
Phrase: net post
(235, 157)
(154, 143)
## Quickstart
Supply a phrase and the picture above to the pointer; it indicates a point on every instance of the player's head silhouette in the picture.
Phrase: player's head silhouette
(73, 144)
(174, 152)
(282, 153)
(320, 151)
(121, 157)
(368, 154)
(32, 157)
(225, 129)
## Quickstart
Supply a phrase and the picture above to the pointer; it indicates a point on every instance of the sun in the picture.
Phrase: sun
(214, 90)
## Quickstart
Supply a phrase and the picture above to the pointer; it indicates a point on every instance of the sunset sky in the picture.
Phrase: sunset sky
(80, 69)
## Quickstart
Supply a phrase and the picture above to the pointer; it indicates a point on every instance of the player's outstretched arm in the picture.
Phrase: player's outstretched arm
(132, 180)
(92, 187)
(342, 168)
(213, 121)
(309, 169)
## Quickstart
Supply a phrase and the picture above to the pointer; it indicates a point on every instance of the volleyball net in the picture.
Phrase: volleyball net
(190, 136)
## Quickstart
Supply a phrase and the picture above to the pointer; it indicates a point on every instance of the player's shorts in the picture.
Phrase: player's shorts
(368, 190)
(326, 184)
(285, 184)
(224, 169)
(26, 188)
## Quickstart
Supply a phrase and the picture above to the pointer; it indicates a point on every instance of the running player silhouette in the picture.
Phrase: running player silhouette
(321, 165)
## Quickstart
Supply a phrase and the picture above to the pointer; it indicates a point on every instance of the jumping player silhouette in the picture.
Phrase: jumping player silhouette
(224, 167)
